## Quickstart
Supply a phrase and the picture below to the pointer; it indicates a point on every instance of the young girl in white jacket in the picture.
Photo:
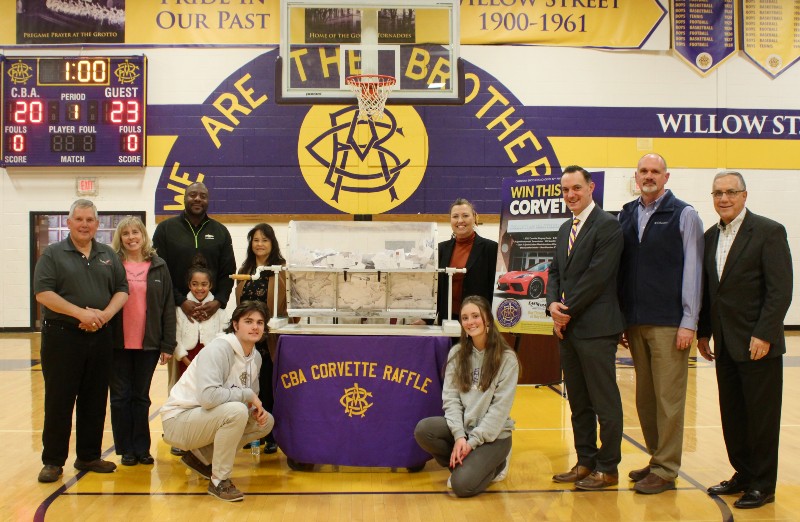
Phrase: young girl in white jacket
(193, 335)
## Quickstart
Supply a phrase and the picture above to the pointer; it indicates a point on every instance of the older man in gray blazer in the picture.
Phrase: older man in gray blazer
(582, 300)
(747, 292)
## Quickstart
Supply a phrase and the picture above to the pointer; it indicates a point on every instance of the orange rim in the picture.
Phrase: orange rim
(378, 80)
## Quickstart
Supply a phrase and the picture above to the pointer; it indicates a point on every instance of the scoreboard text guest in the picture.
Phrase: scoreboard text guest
(61, 111)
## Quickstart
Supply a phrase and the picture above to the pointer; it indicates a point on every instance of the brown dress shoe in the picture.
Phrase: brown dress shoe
(597, 480)
(193, 463)
(575, 474)
(638, 474)
(653, 484)
(96, 465)
(50, 473)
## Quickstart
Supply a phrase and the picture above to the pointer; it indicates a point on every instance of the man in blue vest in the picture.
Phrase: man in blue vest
(660, 282)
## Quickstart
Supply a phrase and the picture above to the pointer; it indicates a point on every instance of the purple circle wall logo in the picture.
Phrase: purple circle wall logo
(509, 312)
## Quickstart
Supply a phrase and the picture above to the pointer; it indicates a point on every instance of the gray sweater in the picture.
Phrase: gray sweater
(480, 416)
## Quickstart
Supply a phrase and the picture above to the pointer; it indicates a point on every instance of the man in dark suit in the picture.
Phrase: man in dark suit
(747, 292)
(582, 300)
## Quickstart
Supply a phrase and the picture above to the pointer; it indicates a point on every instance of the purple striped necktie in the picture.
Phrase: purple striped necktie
(573, 233)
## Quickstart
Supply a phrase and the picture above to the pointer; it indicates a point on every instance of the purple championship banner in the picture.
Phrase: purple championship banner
(704, 33)
(74, 111)
(355, 400)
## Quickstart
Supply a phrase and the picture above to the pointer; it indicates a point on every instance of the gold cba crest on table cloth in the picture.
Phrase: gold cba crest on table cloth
(355, 400)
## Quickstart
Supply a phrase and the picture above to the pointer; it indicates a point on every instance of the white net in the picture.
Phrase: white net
(371, 91)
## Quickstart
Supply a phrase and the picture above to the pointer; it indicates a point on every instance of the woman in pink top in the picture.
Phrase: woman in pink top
(144, 333)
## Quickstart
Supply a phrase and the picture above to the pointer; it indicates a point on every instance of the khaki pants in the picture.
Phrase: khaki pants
(214, 436)
(661, 376)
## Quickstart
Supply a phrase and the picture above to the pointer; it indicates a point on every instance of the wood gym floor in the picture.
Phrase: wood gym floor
(542, 446)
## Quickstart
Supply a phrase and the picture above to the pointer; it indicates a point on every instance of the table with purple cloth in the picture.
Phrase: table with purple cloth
(354, 400)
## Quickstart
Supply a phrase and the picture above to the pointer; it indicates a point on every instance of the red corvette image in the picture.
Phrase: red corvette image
(531, 282)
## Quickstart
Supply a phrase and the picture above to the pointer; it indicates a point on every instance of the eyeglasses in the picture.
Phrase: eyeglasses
(717, 194)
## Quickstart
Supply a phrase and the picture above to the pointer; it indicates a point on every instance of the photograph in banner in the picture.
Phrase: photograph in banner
(532, 212)
(343, 25)
(338, 25)
(70, 21)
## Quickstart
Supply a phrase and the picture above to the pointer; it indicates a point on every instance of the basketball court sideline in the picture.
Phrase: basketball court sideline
(542, 447)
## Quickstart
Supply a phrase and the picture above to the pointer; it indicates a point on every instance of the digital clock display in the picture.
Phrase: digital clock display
(86, 111)
(83, 71)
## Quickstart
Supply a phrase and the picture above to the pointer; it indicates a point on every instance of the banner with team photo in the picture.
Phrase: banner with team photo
(343, 25)
(70, 21)
(531, 213)
(704, 34)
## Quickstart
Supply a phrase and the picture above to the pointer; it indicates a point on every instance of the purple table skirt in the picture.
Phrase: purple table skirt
(355, 400)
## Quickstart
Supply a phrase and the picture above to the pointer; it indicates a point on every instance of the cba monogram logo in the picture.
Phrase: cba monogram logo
(20, 72)
(509, 312)
(355, 401)
(362, 167)
(127, 72)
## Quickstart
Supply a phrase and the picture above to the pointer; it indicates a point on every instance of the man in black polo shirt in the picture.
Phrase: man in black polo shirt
(178, 240)
(81, 285)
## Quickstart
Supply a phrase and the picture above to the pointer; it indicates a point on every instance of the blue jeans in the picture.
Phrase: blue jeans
(131, 375)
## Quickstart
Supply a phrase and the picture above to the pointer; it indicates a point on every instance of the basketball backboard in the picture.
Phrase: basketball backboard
(325, 41)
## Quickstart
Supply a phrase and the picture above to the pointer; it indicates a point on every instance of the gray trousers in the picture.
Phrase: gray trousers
(214, 436)
(479, 467)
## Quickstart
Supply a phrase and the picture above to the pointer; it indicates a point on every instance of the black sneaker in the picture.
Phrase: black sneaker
(194, 464)
(145, 458)
(226, 491)
(129, 460)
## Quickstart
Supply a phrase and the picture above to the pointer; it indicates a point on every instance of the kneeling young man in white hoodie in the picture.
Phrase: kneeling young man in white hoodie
(214, 408)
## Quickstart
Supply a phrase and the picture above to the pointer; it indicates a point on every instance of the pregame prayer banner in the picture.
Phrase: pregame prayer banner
(614, 24)
(772, 34)
(165, 22)
(355, 400)
(704, 32)
(532, 212)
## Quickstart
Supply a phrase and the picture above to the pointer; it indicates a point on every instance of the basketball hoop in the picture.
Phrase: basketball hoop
(371, 91)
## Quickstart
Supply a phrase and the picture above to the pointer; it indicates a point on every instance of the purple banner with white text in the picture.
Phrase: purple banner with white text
(704, 32)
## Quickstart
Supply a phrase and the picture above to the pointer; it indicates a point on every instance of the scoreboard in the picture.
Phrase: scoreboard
(73, 111)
